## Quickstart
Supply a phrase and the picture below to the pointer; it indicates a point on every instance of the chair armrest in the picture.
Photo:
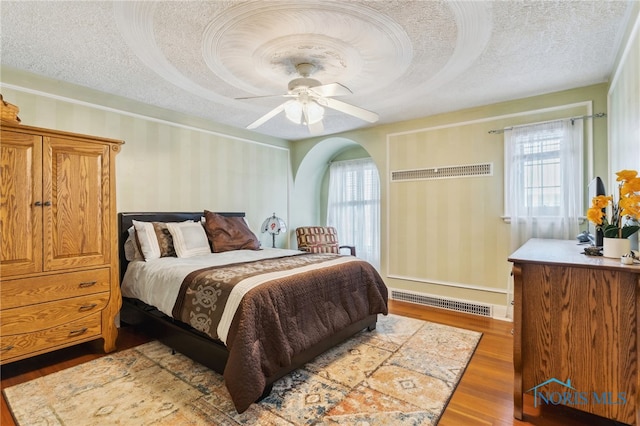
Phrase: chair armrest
(352, 249)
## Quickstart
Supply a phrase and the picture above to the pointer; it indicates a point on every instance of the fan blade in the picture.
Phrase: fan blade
(316, 128)
(305, 113)
(331, 89)
(265, 96)
(268, 116)
(358, 112)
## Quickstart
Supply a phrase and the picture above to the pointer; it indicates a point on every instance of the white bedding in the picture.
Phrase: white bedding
(169, 272)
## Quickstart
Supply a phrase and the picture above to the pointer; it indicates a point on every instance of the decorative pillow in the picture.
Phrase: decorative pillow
(147, 239)
(131, 248)
(229, 233)
(189, 239)
(154, 239)
(165, 240)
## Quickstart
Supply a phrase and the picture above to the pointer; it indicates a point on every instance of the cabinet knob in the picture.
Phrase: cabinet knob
(47, 203)
(40, 203)
(87, 284)
(37, 203)
(6, 348)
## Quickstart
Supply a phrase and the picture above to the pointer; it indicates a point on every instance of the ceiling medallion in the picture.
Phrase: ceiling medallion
(255, 46)
(252, 48)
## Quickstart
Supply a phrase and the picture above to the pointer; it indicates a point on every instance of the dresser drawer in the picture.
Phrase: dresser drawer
(23, 345)
(28, 319)
(45, 288)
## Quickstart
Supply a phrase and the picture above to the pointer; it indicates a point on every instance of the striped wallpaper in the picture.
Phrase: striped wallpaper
(624, 112)
(168, 167)
(450, 233)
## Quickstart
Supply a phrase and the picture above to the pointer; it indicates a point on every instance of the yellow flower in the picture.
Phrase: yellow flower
(626, 175)
(618, 224)
(630, 187)
(595, 215)
(601, 201)
(630, 206)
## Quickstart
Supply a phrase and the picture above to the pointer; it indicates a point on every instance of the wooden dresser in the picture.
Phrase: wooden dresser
(576, 333)
(59, 281)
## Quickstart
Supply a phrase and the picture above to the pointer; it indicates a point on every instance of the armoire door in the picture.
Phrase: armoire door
(20, 203)
(77, 213)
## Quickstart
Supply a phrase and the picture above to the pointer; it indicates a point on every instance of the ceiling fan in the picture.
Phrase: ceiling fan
(308, 99)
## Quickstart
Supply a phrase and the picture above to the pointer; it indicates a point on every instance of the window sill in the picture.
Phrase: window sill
(507, 219)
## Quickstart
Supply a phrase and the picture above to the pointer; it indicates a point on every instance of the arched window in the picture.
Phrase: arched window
(353, 206)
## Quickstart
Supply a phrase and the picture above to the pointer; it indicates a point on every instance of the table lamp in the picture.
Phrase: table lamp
(274, 225)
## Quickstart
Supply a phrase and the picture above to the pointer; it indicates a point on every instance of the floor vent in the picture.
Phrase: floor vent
(445, 172)
(444, 303)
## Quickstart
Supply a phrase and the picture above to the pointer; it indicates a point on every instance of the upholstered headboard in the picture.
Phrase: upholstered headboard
(125, 221)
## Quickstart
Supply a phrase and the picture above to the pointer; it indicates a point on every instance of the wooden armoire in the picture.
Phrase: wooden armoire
(59, 281)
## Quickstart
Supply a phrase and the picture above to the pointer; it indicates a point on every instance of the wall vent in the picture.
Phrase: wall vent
(444, 303)
(444, 172)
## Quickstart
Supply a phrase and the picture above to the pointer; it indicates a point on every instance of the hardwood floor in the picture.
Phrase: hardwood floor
(484, 396)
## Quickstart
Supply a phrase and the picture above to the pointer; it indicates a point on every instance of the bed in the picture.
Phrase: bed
(283, 307)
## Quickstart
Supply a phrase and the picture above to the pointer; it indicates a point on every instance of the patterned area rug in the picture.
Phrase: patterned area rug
(403, 373)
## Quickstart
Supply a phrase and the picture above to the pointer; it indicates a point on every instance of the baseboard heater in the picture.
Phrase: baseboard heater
(443, 302)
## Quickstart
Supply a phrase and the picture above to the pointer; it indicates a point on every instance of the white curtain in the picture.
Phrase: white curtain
(353, 206)
(544, 172)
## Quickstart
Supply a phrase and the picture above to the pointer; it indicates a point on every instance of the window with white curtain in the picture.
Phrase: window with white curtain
(544, 180)
(353, 206)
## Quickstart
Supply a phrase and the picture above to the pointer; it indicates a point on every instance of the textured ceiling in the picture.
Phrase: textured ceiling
(401, 59)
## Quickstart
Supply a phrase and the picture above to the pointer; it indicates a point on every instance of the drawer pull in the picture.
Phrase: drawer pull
(74, 333)
(6, 348)
(87, 307)
(87, 284)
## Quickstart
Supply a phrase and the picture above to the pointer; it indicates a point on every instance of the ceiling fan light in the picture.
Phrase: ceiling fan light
(315, 112)
(293, 111)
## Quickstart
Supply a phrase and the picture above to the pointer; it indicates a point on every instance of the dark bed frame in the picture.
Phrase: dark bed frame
(190, 342)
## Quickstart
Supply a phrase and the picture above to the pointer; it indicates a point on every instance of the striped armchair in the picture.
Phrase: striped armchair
(320, 239)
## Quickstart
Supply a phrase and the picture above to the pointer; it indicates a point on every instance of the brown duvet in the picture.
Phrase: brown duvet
(281, 317)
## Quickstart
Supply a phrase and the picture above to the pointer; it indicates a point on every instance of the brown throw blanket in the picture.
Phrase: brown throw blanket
(281, 317)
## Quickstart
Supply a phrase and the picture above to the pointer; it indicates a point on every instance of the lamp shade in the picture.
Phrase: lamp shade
(314, 112)
(303, 111)
(274, 225)
(293, 111)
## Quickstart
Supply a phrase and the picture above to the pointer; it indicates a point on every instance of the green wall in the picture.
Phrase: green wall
(448, 237)
(174, 165)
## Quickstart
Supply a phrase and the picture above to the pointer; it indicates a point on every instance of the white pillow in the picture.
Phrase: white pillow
(147, 239)
(189, 239)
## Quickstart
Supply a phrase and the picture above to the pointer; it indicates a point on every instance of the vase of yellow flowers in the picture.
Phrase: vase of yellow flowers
(617, 219)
